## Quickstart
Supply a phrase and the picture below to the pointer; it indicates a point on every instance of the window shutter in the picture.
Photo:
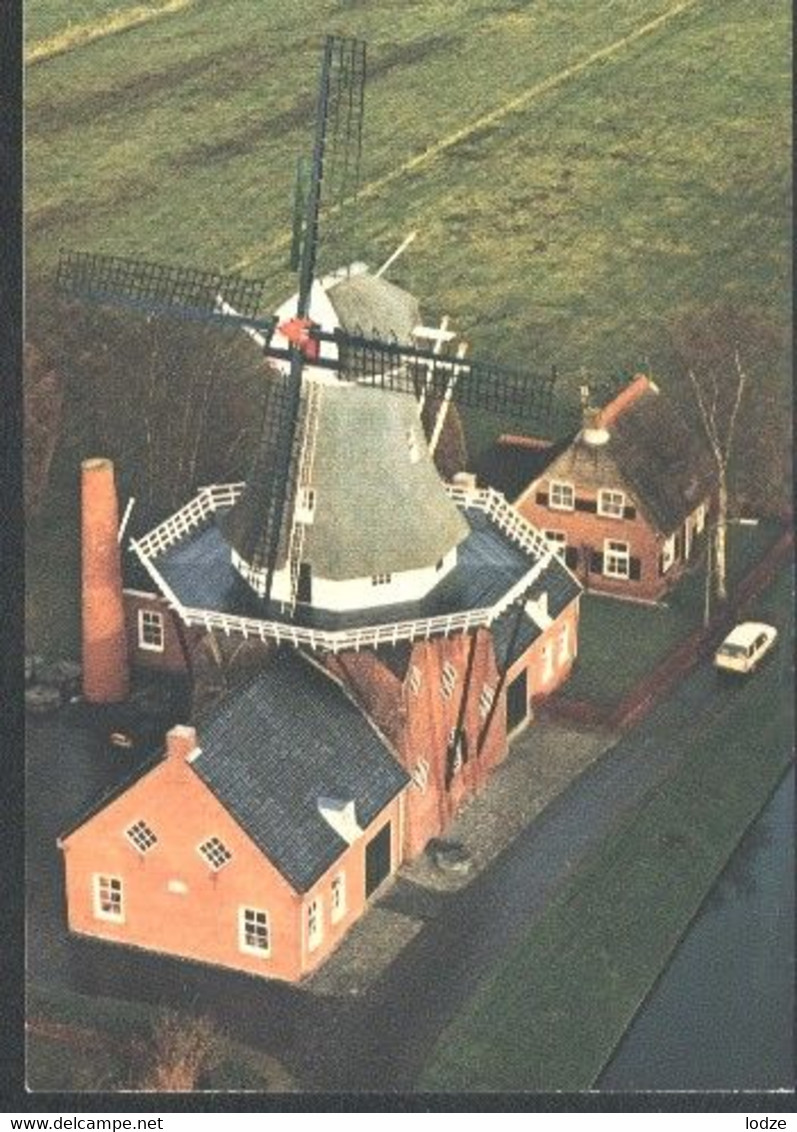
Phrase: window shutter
(596, 562)
(629, 512)
(542, 498)
(571, 557)
(634, 569)
(679, 545)
(661, 564)
(590, 505)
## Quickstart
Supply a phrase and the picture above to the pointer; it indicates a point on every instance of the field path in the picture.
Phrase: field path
(78, 35)
(517, 102)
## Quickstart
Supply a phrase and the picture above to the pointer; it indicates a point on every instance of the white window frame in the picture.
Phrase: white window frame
(415, 679)
(448, 680)
(561, 488)
(210, 849)
(420, 775)
(150, 620)
(558, 541)
(141, 836)
(616, 553)
(337, 899)
(104, 882)
(486, 701)
(667, 554)
(315, 923)
(243, 944)
(699, 517)
(306, 504)
(381, 579)
(611, 503)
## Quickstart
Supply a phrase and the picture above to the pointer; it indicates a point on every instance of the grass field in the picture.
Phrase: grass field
(579, 174)
(551, 1014)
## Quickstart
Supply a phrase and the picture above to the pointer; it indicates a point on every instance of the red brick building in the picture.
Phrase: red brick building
(626, 501)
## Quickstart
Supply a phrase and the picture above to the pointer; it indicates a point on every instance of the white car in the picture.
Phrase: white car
(745, 647)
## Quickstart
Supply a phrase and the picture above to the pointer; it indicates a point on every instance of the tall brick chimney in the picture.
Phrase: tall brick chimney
(106, 676)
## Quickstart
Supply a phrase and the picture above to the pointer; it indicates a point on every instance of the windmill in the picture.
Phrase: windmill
(333, 386)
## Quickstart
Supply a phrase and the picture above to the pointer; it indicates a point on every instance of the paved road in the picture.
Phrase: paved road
(376, 1042)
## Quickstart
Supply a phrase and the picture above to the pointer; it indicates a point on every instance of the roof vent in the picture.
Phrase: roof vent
(341, 817)
(537, 610)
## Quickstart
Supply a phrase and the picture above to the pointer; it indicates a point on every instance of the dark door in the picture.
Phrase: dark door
(516, 701)
(304, 584)
(377, 860)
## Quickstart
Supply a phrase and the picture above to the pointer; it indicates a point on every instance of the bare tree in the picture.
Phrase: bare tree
(720, 441)
(180, 1051)
(43, 398)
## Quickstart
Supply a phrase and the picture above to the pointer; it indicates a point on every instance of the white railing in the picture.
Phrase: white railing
(215, 496)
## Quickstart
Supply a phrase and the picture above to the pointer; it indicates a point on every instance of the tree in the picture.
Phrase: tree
(730, 368)
(182, 1049)
(43, 399)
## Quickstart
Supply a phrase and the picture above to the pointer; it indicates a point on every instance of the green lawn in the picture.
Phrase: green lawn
(43, 20)
(54, 1065)
(604, 672)
(570, 229)
(552, 1012)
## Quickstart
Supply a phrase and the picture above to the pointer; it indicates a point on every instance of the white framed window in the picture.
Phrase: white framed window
(315, 923)
(338, 903)
(558, 541)
(420, 775)
(150, 630)
(486, 701)
(616, 559)
(254, 936)
(412, 445)
(448, 680)
(141, 836)
(305, 504)
(108, 898)
(667, 554)
(699, 518)
(611, 504)
(547, 662)
(415, 679)
(564, 645)
(381, 579)
(561, 495)
(215, 853)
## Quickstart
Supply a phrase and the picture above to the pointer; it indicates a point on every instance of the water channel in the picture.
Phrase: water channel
(722, 1014)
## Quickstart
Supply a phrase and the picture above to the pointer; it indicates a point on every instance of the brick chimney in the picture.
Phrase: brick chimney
(106, 676)
(181, 741)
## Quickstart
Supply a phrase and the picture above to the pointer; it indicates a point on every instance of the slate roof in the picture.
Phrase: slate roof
(511, 467)
(199, 572)
(286, 739)
(561, 587)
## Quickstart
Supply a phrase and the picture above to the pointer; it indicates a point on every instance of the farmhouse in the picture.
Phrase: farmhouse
(625, 500)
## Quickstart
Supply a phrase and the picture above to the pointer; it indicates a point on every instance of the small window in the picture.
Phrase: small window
(338, 909)
(486, 701)
(439, 564)
(448, 680)
(611, 504)
(305, 504)
(558, 540)
(700, 519)
(253, 931)
(150, 630)
(381, 579)
(420, 775)
(108, 903)
(457, 752)
(141, 836)
(314, 923)
(561, 496)
(412, 445)
(616, 559)
(215, 852)
(415, 679)
(668, 554)
(547, 662)
(564, 645)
